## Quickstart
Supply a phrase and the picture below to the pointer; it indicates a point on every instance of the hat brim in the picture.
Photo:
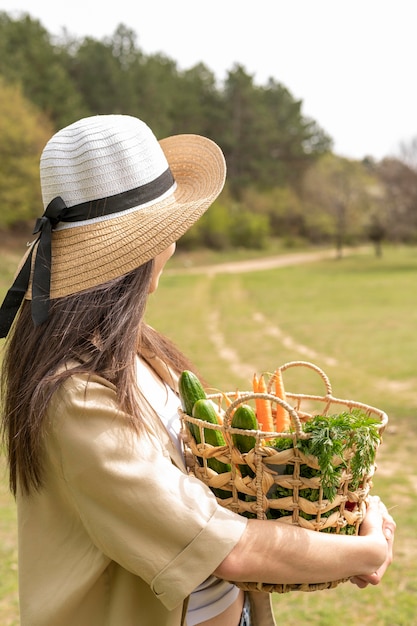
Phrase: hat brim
(91, 254)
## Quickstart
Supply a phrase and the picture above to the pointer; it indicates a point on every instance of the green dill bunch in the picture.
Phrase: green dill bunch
(350, 437)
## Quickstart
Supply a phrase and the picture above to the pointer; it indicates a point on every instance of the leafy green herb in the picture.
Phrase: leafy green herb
(352, 437)
(350, 433)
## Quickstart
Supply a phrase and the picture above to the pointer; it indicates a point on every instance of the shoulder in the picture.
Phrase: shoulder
(87, 428)
(84, 401)
(80, 389)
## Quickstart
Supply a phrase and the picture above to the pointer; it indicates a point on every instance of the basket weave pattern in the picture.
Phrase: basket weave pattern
(274, 482)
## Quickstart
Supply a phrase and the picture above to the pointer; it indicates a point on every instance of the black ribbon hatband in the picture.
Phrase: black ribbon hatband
(56, 212)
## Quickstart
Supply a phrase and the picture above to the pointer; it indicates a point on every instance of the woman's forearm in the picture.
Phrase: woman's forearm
(277, 553)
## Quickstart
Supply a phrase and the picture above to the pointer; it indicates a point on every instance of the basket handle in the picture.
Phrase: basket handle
(265, 396)
(311, 366)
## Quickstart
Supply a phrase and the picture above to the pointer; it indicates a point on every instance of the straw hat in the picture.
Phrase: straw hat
(114, 198)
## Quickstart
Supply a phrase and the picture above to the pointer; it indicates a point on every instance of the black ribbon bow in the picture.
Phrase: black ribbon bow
(41, 281)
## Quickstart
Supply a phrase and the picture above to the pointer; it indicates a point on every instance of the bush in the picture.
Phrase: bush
(24, 132)
(250, 230)
(216, 225)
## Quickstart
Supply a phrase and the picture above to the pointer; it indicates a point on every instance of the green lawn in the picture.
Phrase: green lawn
(355, 318)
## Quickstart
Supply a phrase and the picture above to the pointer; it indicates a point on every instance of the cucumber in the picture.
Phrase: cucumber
(204, 410)
(244, 417)
(190, 390)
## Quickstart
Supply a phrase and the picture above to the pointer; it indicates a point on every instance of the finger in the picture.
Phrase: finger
(389, 530)
(373, 517)
(376, 577)
(359, 582)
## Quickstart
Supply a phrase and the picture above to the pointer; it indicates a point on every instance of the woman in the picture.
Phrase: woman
(112, 530)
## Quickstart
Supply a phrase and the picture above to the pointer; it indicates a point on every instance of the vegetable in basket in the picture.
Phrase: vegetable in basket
(282, 417)
(263, 406)
(348, 434)
(342, 448)
(204, 410)
(195, 403)
(190, 390)
(244, 417)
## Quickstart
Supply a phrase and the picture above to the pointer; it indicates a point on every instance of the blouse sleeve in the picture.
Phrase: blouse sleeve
(138, 508)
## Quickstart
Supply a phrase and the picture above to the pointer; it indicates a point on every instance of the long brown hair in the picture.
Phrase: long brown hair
(102, 329)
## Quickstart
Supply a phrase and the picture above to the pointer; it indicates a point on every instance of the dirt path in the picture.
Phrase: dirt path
(253, 265)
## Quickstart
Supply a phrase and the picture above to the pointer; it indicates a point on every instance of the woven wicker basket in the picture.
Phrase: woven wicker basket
(277, 479)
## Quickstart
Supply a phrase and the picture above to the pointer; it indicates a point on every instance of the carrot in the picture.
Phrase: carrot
(263, 407)
(282, 418)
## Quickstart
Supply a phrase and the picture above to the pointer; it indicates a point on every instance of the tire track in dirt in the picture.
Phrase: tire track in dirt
(225, 352)
(288, 342)
(231, 356)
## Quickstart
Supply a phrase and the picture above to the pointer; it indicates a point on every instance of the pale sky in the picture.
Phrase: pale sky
(351, 62)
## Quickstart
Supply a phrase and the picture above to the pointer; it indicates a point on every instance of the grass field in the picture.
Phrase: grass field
(357, 319)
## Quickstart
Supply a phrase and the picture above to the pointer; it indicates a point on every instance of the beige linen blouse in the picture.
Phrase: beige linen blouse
(119, 534)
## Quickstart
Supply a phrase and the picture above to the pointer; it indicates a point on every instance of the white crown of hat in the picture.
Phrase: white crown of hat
(99, 157)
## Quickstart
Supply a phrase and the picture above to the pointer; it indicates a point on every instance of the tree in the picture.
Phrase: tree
(377, 232)
(399, 182)
(28, 58)
(104, 72)
(240, 128)
(266, 139)
(157, 86)
(337, 189)
(196, 103)
(24, 131)
(292, 142)
(99, 77)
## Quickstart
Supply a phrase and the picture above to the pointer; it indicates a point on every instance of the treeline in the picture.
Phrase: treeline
(283, 179)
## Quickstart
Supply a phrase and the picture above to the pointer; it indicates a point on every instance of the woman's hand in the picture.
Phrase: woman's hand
(377, 519)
